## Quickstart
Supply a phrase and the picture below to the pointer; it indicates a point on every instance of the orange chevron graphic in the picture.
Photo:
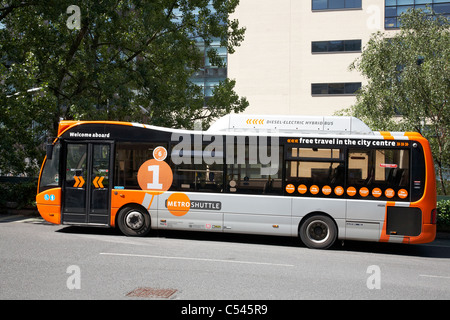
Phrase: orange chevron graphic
(255, 121)
(98, 182)
(95, 182)
(79, 182)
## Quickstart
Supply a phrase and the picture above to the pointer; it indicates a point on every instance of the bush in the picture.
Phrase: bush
(21, 192)
(443, 215)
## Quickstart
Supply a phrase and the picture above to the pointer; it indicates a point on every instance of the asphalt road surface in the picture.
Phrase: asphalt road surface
(43, 261)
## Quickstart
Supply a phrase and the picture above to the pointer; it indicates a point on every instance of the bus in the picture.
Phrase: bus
(319, 179)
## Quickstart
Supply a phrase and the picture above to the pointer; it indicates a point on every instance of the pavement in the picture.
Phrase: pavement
(40, 260)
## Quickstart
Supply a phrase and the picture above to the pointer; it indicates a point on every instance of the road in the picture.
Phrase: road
(43, 261)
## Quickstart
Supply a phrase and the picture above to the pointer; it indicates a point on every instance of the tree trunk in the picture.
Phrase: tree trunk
(441, 177)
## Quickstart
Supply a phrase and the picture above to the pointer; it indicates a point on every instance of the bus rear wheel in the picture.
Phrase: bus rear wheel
(318, 232)
(133, 221)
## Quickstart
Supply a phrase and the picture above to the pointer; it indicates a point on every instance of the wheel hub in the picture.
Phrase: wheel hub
(134, 220)
(318, 231)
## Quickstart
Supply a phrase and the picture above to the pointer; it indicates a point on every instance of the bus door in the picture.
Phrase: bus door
(86, 188)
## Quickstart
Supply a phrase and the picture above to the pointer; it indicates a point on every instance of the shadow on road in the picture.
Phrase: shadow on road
(438, 249)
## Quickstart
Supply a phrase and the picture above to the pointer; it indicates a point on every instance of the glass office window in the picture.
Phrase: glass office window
(390, 23)
(394, 8)
(335, 4)
(353, 3)
(349, 88)
(336, 88)
(319, 46)
(319, 88)
(390, 11)
(352, 45)
(336, 46)
(403, 9)
(352, 87)
(442, 8)
(209, 75)
(319, 4)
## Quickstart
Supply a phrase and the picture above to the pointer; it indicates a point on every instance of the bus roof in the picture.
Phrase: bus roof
(291, 124)
(270, 125)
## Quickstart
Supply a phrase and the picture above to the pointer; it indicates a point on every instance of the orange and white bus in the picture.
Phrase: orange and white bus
(316, 178)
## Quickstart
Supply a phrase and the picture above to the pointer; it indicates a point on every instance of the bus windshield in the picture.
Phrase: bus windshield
(50, 172)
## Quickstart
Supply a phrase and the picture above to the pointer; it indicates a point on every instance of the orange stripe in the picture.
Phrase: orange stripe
(384, 236)
(387, 135)
(412, 135)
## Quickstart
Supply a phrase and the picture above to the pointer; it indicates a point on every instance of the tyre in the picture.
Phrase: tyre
(318, 232)
(133, 221)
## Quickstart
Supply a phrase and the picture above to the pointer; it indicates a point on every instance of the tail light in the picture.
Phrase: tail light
(433, 216)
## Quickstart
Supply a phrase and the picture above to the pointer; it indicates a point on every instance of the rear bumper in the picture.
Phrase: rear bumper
(427, 235)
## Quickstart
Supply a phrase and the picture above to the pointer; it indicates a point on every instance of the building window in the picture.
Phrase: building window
(335, 4)
(348, 88)
(336, 46)
(208, 76)
(394, 8)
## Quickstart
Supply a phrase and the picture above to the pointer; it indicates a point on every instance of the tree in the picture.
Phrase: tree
(408, 85)
(125, 60)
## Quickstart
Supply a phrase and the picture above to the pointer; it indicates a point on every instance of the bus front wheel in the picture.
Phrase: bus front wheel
(133, 221)
(318, 232)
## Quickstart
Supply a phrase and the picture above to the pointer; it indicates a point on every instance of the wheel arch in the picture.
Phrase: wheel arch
(324, 215)
(313, 213)
(129, 230)
(131, 205)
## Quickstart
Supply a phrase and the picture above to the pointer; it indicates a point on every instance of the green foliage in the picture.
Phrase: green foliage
(21, 192)
(408, 86)
(443, 218)
(129, 60)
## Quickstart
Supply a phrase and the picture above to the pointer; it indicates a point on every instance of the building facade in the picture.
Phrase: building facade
(296, 53)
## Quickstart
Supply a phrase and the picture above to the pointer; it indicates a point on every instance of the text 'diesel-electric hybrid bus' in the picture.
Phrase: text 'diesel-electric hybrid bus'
(316, 178)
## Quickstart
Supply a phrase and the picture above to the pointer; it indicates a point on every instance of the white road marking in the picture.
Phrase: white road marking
(21, 219)
(195, 259)
(432, 276)
(36, 220)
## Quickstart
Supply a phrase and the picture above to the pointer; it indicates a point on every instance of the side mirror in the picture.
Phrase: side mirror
(49, 150)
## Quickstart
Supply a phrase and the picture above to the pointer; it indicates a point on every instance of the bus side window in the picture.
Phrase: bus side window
(418, 174)
(245, 173)
(315, 167)
(379, 168)
(359, 169)
(199, 170)
(129, 157)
